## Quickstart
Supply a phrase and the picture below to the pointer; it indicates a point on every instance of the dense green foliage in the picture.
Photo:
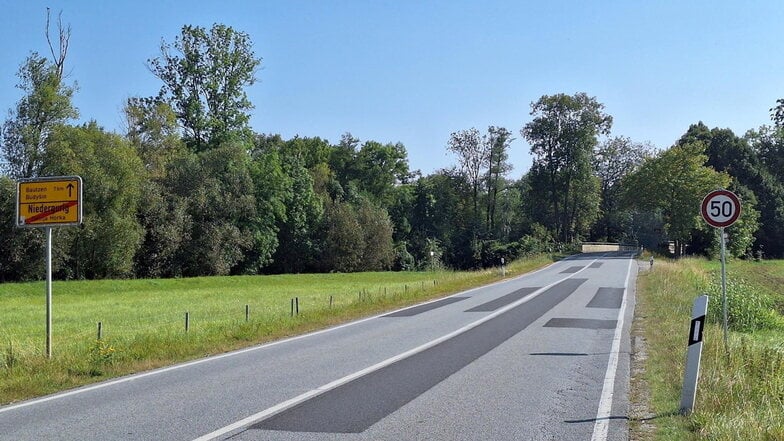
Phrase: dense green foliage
(189, 189)
(204, 82)
(563, 135)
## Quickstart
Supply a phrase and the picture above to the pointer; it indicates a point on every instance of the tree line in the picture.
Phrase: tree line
(190, 189)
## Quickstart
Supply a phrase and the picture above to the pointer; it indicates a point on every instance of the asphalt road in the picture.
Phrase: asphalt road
(544, 356)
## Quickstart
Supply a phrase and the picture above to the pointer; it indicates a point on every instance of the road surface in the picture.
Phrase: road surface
(544, 356)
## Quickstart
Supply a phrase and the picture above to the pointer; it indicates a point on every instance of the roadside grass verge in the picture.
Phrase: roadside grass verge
(143, 321)
(740, 394)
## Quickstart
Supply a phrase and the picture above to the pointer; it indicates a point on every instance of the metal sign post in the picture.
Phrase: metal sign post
(47, 202)
(689, 392)
(720, 209)
(48, 292)
(723, 240)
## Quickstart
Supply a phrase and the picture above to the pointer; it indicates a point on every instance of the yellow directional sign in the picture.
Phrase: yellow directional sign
(52, 201)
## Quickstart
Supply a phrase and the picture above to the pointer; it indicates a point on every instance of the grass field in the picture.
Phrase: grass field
(741, 393)
(143, 321)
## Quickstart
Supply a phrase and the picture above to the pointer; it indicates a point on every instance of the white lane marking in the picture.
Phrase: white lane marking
(135, 377)
(601, 426)
(278, 408)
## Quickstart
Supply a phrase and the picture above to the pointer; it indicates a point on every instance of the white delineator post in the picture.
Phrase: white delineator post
(689, 393)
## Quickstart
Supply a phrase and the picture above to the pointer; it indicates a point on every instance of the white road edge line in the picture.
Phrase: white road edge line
(601, 426)
(134, 377)
(278, 408)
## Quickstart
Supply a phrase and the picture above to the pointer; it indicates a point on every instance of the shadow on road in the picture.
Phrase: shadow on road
(619, 417)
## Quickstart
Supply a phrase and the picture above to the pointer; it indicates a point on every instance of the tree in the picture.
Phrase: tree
(510, 217)
(376, 227)
(674, 182)
(472, 155)
(372, 169)
(563, 134)
(768, 144)
(46, 104)
(221, 204)
(167, 226)
(613, 160)
(303, 210)
(343, 241)
(497, 140)
(777, 113)
(401, 211)
(751, 162)
(741, 233)
(152, 129)
(443, 211)
(379, 167)
(270, 185)
(342, 161)
(204, 76)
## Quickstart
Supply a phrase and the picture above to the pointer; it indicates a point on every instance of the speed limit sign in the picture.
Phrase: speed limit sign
(720, 208)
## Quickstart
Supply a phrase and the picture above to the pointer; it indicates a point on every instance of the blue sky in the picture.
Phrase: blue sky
(415, 71)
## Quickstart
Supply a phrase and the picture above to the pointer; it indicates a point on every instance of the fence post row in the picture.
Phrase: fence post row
(294, 307)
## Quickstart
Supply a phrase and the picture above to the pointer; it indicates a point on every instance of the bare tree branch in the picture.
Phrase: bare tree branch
(64, 37)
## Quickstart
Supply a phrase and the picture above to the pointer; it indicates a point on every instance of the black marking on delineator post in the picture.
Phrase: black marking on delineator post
(691, 375)
(695, 331)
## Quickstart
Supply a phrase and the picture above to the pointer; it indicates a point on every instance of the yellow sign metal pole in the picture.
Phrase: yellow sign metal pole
(48, 292)
(45, 202)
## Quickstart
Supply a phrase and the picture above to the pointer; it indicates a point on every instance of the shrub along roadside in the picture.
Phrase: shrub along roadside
(741, 394)
(749, 309)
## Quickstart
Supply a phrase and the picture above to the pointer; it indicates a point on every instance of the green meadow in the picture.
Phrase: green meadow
(143, 321)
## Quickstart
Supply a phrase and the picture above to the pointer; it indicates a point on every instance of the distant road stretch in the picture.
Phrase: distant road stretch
(544, 356)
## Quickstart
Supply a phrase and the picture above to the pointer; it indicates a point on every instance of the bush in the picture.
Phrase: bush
(404, 261)
(748, 309)
(528, 245)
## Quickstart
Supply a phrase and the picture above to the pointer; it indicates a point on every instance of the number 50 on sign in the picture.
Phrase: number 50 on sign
(720, 208)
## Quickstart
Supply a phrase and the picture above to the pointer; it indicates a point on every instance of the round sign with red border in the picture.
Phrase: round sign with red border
(720, 208)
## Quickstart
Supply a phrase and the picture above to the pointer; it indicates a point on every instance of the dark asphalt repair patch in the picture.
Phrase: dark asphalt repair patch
(357, 405)
(581, 323)
(503, 300)
(571, 269)
(596, 265)
(427, 307)
(610, 298)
